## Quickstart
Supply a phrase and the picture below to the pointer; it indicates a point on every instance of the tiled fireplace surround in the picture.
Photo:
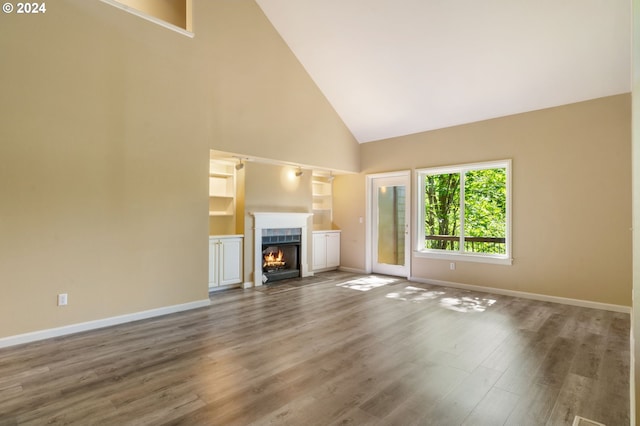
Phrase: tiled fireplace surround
(278, 223)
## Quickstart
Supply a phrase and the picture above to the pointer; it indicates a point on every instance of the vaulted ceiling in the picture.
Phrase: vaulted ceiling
(396, 67)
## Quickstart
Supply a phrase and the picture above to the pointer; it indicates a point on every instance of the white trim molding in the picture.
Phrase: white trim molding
(463, 257)
(353, 270)
(278, 220)
(461, 254)
(369, 216)
(526, 295)
(101, 323)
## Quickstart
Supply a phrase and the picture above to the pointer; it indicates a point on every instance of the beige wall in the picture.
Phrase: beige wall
(571, 202)
(104, 156)
(259, 99)
(107, 125)
(101, 191)
(635, 317)
(349, 199)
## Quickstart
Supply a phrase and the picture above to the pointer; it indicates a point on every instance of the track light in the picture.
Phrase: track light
(240, 164)
(299, 172)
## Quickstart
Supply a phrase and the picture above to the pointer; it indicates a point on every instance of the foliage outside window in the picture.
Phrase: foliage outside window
(464, 210)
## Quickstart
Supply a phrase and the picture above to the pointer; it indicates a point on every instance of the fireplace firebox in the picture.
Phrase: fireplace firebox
(280, 254)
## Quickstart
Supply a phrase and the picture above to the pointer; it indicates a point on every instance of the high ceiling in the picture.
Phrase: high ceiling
(396, 67)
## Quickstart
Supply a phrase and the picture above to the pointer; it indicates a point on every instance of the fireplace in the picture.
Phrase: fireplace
(288, 232)
(280, 253)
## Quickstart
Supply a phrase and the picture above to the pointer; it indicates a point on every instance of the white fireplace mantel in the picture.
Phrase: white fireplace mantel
(274, 220)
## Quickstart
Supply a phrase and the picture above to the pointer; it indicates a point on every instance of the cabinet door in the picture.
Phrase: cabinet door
(230, 261)
(213, 263)
(333, 249)
(319, 251)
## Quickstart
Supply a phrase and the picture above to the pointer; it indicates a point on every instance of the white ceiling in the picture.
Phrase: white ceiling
(395, 67)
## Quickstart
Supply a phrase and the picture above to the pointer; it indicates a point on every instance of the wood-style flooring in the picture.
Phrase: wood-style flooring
(334, 349)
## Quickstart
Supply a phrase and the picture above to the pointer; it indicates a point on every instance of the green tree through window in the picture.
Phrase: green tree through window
(442, 207)
(485, 211)
(466, 209)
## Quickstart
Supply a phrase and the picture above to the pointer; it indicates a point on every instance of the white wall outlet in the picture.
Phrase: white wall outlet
(452, 266)
(62, 299)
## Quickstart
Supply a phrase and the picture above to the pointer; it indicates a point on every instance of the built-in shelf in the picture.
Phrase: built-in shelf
(221, 175)
(322, 193)
(222, 188)
(217, 213)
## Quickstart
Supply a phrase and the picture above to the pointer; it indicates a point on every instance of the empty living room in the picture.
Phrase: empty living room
(319, 212)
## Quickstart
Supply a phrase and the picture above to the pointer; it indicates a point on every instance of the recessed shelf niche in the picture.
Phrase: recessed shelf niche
(322, 192)
(175, 15)
(222, 197)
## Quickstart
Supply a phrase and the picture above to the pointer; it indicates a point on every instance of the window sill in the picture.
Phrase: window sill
(459, 257)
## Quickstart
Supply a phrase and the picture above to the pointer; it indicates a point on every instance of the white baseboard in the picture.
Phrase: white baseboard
(352, 270)
(213, 290)
(632, 371)
(526, 295)
(101, 323)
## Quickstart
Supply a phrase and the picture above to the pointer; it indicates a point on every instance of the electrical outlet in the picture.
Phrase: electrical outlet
(452, 266)
(62, 299)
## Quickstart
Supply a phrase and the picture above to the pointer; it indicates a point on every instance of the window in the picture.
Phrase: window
(464, 212)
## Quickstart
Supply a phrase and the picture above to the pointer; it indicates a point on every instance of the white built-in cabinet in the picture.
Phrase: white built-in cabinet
(225, 260)
(326, 250)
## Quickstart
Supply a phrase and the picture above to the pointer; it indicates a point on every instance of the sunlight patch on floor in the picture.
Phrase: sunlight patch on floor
(466, 304)
(415, 294)
(459, 304)
(367, 283)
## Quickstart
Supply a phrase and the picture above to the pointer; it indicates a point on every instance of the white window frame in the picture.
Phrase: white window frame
(420, 251)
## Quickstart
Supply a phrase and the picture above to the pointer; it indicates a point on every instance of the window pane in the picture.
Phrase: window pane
(485, 211)
(391, 225)
(442, 211)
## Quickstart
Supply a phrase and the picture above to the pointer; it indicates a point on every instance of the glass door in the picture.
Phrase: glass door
(390, 224)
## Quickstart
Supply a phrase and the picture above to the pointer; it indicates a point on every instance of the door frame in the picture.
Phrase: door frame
(369, 217)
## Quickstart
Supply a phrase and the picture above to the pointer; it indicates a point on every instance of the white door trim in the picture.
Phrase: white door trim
(369, 216)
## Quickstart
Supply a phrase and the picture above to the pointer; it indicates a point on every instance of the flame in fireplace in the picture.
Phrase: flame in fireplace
(274, 261)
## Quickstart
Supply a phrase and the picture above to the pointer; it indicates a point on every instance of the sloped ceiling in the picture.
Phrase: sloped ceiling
(396, 67)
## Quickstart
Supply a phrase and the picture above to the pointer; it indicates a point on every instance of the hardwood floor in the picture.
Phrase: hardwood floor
(334, 349)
